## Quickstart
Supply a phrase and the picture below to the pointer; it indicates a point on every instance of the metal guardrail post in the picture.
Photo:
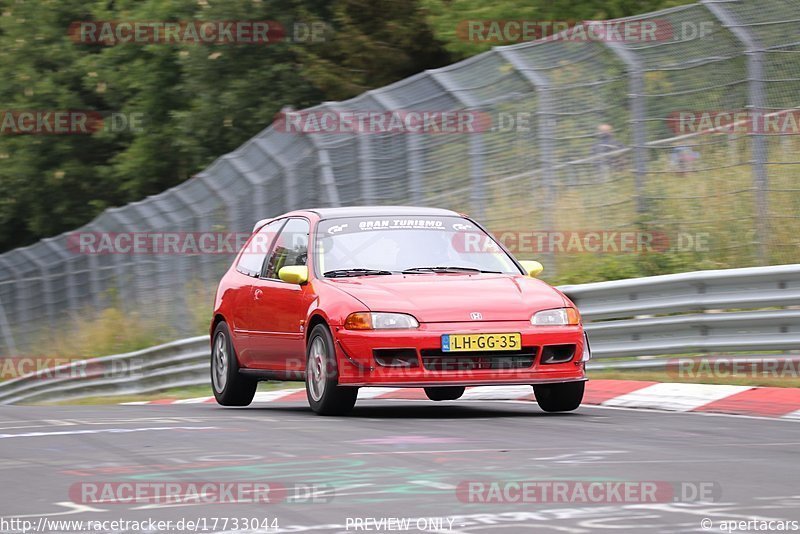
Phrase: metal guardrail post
(754, 51)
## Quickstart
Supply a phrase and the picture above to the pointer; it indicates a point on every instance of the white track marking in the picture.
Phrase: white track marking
(271, 396)
(792, 415)
(675, 397)
(104, 431)
(497, 392)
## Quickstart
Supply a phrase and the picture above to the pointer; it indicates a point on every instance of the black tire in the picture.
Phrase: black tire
(559, 397)
(325, 395)
(445, 393)
(230, 388)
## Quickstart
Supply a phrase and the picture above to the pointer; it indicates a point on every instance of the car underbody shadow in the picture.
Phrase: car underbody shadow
(429, 410)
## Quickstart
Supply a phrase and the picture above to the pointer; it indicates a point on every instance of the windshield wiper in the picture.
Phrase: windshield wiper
(342, 273)
(446, 269)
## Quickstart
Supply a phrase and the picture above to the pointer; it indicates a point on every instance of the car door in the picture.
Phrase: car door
(249, 267)
(280, 307)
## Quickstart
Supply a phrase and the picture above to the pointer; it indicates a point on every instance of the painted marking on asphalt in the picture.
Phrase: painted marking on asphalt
(72, 508)
(583, 457)
(407, 440)
(104, 431)
(451, 451)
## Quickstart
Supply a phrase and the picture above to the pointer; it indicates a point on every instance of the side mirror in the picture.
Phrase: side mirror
(533, 268)
(295, 274)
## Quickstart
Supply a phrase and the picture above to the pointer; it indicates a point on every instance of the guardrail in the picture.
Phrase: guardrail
(734, 310)
(703, 311)
(177, 364)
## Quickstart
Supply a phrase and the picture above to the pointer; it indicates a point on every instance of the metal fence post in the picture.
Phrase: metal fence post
(414, 168)
(476, 149)
(63, 258)
(5, 328)
(125, 273)
(545, 132)
(477, 175)
(638, 124)
(287, 170)
(366, 175)
(327, 179)
(47, 292)
(754, 52)
(18, 312)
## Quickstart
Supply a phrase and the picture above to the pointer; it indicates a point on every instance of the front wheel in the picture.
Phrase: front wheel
(444, 393)
(325, 395)
(563, 397)
(230, 387)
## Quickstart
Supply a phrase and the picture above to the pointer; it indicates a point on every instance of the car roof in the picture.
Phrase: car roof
(378, 211)
(364, 211)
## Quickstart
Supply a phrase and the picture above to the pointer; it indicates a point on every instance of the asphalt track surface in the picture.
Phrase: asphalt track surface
(399, 460)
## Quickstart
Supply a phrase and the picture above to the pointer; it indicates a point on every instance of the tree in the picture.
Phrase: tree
(195, 102)
(448, 18)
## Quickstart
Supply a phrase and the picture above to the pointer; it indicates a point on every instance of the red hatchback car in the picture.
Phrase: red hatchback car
(390, 296)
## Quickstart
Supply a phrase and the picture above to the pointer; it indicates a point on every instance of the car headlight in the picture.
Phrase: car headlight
(380, 321)
(556, 317)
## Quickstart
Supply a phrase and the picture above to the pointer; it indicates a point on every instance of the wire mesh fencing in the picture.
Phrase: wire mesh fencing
(680, 139)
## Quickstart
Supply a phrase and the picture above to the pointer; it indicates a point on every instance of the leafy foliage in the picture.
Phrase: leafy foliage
(194, 102)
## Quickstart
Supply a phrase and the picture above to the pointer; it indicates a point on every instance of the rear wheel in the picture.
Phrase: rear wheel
(563, 397)
(325, 395)
(445, 393)
(230, 388)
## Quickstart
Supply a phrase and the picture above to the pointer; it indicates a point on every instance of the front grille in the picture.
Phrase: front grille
(437, 360)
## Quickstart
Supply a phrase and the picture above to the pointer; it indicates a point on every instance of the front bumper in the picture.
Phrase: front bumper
(357, 365)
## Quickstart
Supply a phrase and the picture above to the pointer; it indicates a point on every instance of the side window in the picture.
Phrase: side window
(291, 247)
(252, 258)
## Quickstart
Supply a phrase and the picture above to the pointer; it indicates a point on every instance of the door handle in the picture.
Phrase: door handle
(257, 294)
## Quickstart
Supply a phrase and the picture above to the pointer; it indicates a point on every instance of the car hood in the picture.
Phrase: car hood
(453, 297)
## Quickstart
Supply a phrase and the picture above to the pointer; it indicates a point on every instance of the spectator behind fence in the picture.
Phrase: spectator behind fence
(683, 158)
(604, 145)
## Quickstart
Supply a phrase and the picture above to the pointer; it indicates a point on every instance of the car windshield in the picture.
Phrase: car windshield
(388, 245)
